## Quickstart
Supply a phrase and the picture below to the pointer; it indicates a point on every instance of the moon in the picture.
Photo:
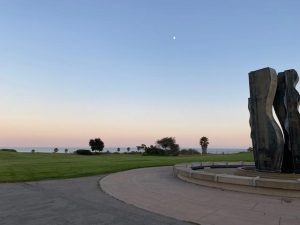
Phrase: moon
(174, 38)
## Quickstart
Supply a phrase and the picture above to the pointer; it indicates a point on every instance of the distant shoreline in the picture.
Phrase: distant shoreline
(122, 149)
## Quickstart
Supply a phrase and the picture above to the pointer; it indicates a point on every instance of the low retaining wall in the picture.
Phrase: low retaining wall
(258, 185)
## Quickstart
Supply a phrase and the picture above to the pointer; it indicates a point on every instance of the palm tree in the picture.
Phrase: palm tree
(204, 143)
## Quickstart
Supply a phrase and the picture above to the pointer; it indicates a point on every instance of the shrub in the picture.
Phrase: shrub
(189, 151)
(8, 150)
(134, 153)
(83, 152)
(153, 150)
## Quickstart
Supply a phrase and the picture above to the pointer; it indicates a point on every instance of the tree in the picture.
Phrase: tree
(141, 147)
(66, 150)
(128, 149)
(96, 144)
(250, 149)
(55, 150)
(204, 143)
(169, 145)
(118, 149)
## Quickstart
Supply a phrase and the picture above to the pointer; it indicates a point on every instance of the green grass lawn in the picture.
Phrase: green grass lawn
(39, 166)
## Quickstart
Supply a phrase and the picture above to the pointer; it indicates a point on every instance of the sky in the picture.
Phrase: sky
(75, 70)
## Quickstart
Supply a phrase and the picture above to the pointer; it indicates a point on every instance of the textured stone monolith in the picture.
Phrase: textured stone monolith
(280, 109)
(292, 123)
(267, 139)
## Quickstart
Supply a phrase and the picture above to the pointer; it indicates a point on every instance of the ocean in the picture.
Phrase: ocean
(122, 149)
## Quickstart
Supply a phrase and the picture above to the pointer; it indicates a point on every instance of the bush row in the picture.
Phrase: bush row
(8, 150)
(83, 152)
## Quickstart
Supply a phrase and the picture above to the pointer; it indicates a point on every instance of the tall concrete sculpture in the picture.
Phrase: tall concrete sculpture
(292, 122)
(271, 151)
(281, 112)
(267, 139)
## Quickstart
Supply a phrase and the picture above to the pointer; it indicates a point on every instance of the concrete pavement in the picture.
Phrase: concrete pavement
(157, 190)
(76, 201)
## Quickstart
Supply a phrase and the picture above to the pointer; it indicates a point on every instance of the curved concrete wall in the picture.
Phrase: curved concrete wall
(258, 185)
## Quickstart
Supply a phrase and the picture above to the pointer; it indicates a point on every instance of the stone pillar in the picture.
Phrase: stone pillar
(292, 122)
(266, 135)
(281, 112)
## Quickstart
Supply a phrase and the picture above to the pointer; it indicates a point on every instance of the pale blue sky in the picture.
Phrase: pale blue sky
(76, 69)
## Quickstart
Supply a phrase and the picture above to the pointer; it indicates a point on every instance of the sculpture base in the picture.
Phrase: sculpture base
(243, 179)
(252, 172)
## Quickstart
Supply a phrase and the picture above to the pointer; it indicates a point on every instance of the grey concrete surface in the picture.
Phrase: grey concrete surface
(157, 190)
(77, 201)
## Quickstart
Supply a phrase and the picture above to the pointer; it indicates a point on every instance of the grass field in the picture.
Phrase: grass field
(39, 166)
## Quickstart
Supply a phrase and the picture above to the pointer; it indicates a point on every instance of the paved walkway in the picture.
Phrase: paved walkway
(77, 201)
(157, 190)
